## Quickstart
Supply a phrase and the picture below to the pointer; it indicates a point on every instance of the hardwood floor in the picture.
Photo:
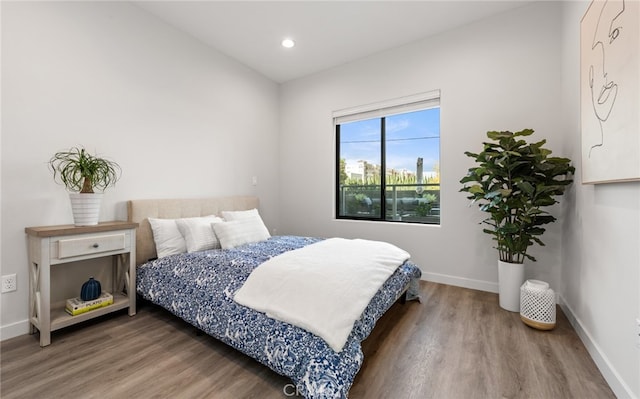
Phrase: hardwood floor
(457, 343)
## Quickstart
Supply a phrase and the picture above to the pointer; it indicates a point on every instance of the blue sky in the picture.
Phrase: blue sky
(409, 136)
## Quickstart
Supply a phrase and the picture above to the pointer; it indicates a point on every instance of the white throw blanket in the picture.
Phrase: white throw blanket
(323, 287)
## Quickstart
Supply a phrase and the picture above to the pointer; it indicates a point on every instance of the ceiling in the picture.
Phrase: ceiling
(327, 33)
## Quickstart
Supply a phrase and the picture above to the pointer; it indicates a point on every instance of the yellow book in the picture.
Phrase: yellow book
(76, 306)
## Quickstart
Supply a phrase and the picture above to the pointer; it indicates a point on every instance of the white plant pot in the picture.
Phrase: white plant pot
(85, 208)
(510, 279)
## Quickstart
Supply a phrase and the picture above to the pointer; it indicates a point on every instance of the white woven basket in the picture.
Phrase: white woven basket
(537, 305)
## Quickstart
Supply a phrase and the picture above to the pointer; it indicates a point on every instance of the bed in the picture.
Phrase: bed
(199, 287)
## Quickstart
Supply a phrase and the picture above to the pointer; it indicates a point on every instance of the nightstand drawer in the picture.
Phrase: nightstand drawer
(91, 245)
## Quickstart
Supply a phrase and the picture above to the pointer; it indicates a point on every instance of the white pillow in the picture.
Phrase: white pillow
(198, 234)
(237, 232)
(238, 215)
(168, 239)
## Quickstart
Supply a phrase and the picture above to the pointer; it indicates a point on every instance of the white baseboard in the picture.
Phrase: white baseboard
(481, 285)
(14, 330)
(617, 384)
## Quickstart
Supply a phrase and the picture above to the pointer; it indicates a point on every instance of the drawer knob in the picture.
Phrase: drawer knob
(95, 245)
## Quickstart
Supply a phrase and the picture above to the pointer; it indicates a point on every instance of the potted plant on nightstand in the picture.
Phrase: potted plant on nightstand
(81, 172)
(512, 182)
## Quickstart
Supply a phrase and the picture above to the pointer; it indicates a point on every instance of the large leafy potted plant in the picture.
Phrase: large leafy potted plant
(513, 181)
(81, 173)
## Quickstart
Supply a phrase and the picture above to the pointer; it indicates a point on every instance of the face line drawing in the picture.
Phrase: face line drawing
(603, 90)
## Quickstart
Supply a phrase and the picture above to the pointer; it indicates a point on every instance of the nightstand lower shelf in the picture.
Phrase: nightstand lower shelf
(61, 319)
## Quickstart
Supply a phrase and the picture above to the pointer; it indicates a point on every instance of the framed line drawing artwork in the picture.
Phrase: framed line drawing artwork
(610, 91)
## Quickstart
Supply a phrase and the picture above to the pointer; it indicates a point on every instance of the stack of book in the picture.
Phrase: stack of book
(76, 306)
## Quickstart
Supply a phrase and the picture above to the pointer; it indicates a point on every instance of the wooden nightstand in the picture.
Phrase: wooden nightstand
(53, 246)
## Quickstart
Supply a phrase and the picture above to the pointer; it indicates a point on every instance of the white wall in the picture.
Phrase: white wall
(501, 73)
(181, 119)
(601, 244)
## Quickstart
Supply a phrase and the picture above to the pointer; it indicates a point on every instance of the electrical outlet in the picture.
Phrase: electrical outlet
(9, 283)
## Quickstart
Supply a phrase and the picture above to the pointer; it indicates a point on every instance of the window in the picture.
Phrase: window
(388, 161)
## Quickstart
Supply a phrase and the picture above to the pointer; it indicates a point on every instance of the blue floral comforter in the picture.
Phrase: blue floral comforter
(199, 288)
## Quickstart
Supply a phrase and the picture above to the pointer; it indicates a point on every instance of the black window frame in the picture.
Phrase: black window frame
(432, 102)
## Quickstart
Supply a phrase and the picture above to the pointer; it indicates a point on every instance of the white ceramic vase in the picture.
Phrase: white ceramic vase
(510, 279)
(85, 208)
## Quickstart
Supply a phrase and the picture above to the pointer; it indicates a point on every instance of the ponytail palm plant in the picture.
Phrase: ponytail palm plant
(81, 172)
(513, 181)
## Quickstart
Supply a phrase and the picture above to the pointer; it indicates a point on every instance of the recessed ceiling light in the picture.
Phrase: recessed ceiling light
(288, 43)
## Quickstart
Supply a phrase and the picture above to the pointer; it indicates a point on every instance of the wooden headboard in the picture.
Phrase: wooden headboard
(140, 210)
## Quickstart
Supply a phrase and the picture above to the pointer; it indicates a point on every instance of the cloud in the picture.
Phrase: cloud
(396, 125)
